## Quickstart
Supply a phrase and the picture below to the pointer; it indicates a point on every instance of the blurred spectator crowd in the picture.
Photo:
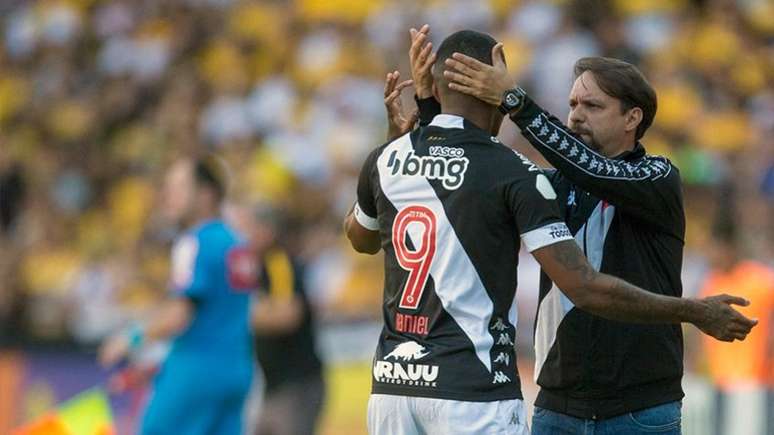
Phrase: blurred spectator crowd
(98, 96)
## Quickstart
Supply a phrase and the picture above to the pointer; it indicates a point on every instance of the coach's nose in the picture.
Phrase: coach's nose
(576, 117)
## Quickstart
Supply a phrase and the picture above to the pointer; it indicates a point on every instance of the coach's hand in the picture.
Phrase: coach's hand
(475, 78)
(722, 321)
(398, 122)
(421, 58)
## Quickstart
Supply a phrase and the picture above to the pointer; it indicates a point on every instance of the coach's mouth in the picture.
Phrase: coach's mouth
(584, 134)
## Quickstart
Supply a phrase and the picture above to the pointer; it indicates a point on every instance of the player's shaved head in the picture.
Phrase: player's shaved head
(468, 42)
(478, 46)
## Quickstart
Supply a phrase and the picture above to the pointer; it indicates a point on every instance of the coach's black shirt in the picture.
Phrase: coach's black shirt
(627, 216)
(452, 205)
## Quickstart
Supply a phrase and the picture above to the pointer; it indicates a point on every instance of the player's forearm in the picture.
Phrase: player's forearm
(616, 299)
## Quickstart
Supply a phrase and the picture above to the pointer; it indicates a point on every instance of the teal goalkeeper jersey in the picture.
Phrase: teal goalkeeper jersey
(212, 267)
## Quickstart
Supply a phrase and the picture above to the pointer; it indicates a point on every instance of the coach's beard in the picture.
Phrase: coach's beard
(588, 139)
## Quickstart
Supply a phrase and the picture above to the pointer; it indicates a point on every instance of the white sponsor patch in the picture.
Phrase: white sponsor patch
(396, 372)
(546, 235)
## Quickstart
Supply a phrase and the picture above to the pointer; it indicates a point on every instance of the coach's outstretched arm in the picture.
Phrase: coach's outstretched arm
(649, 189)
(616, 299)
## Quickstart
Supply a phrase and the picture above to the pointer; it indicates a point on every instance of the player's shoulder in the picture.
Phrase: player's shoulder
(215, 233)
(513, 162)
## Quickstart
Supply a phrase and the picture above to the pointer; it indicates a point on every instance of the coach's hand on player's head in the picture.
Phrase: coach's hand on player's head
(399, 123)
(473, 77)
(421, 58)
(722, 321)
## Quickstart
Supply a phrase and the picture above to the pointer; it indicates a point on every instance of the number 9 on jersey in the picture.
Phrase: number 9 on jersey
(418, 223)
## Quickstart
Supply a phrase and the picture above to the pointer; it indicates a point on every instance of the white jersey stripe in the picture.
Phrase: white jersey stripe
(457, 283)
(555, 305)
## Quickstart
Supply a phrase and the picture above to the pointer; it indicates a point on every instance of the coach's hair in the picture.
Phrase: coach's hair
(209, 171)
(623, 81)
(468, 42)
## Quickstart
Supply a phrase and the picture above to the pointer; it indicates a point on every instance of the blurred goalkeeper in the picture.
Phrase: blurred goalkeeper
(202, 384)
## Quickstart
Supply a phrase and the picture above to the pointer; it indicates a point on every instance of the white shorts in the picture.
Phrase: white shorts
(401, 415)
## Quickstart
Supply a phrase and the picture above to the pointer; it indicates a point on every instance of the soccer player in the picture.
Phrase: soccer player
(201, 387)
(449, 205)
(625, 211)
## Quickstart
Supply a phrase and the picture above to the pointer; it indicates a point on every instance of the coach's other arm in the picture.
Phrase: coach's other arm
(615, 299)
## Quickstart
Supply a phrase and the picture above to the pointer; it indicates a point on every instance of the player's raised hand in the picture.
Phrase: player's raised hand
(399, 123)
(722, 321)
(475, 78)
(421, 58)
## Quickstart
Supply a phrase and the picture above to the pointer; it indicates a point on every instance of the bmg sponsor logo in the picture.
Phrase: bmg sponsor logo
(446, 164)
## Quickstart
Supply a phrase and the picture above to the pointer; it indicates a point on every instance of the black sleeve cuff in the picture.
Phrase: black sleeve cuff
(529, 110)
(428, 108)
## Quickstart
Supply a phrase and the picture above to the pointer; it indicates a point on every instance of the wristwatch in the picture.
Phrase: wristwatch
(512, 101)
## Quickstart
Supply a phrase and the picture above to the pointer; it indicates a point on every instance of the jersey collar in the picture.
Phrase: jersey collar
(444, 120)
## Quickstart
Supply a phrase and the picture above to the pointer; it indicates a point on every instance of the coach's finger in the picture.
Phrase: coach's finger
(464, 89)
(469, 61)
(458, 78)
(734, 300)
(461, 67)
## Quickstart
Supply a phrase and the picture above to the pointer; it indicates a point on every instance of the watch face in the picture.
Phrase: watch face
(512, 99)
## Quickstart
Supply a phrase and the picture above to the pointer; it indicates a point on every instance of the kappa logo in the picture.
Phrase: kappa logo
(423, 375)
(499, 325)
(445, 164)
(503, 358)
(500, 378)
(505, 339)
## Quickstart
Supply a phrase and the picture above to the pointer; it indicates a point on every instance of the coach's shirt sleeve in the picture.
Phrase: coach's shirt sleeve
(365, 208)
(649, 188)
(189, 268)
(532, 202)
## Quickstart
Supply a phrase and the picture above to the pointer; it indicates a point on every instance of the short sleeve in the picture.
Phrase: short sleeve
(532, 201)
(365, 208)
(189, 274)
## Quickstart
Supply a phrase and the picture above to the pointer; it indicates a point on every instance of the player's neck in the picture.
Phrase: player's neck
(478, 118)
(476, 112)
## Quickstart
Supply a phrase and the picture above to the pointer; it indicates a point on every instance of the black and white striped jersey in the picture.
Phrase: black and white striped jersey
(452, 206)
